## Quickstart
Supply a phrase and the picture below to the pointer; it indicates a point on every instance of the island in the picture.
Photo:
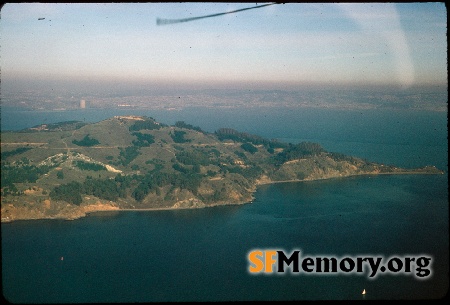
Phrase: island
(70, 169)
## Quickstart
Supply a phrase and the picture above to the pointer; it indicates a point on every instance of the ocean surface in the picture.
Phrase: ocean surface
(201, 255)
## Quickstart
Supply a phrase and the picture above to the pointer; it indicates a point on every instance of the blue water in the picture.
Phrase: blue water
(401, 137)
(200, 255)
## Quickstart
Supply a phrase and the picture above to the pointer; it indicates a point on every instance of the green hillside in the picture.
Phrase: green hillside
(67, 169)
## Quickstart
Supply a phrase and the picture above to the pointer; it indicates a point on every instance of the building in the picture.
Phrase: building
(82, 104)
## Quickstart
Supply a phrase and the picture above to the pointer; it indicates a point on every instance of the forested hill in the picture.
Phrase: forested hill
(67, 169)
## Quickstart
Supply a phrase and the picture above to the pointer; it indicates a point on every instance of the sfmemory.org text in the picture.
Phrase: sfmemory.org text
(272, 261)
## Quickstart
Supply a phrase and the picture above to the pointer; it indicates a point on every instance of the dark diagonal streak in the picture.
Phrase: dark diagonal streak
(172, 21)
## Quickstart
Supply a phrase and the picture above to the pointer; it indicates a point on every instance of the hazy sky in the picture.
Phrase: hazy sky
(383, 43)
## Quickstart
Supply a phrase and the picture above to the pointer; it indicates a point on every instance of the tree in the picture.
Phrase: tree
(178, 136)
(182, 124)
(70, 192)
(249, 147)
(143, 139)
(60, 174)
(300, 150)
(196, 168)
(128, 154)
(86, 141)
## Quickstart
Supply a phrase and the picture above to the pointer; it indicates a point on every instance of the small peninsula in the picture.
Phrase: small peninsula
(69, 169)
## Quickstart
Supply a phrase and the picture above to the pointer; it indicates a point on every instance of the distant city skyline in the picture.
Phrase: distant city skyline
(400, 44)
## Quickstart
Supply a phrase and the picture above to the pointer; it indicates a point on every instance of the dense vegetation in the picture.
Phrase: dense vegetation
(17, 151)
(298, 151)
(60, 175)
(182, 124)
(20, 172)
(110, 189)
(151, 182)
(147, 123)
(70, 192)
(231, 134)
(86, 141)
(249, 147)
(127, 155)
(143, 139)
(193, 157)
(88, 166)
(105, 189)
(178, 136)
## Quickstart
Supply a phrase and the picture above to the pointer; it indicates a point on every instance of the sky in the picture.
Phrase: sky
(400, 44)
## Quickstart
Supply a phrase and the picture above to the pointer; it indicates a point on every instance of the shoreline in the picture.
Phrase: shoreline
(355, 175)
(167, 208)
(87, 213)
(253, 198)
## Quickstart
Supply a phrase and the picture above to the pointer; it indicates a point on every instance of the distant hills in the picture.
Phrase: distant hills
(47, 98)
(68, 169)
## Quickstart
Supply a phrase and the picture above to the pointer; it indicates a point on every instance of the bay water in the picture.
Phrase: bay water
(201, 255)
